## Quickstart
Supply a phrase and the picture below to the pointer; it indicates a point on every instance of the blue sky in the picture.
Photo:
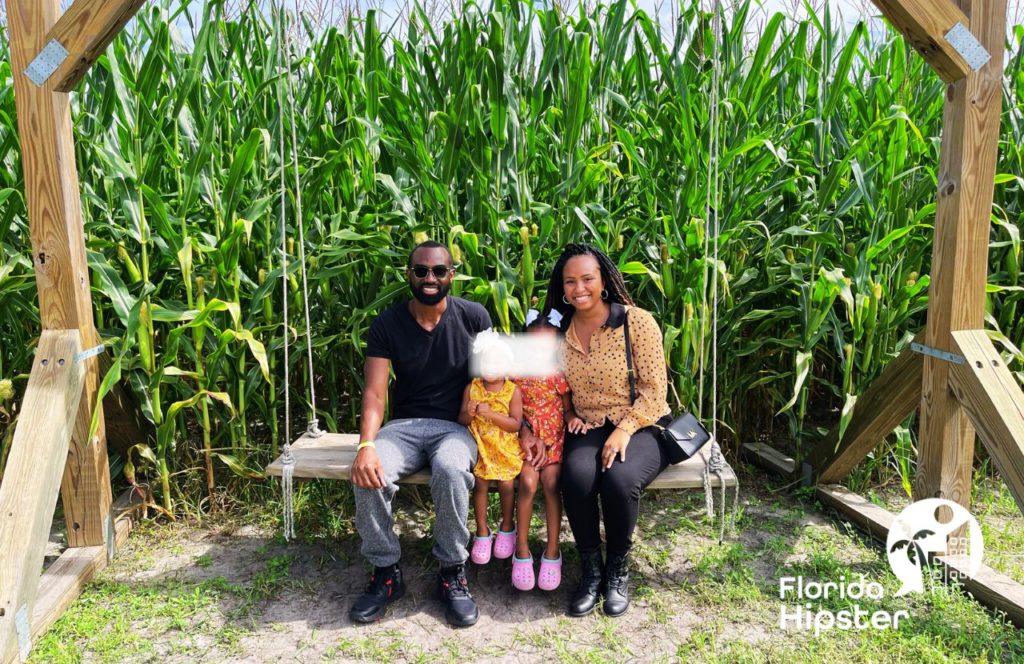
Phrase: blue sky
(847, 12)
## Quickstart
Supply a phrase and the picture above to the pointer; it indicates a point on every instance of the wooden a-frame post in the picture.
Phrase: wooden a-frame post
(953, 401)
(952, 372)
(52, 437)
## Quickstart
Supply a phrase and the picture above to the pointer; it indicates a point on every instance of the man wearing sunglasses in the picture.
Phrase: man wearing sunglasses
(427, 341)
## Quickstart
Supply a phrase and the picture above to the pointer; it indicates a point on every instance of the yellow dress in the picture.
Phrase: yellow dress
(498, 453)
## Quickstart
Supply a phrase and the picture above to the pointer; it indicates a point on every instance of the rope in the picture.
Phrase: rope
(312, 426)
(715, 465)
(287, 458)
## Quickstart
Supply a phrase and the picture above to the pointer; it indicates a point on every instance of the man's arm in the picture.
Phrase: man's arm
(468, 408)
(367, 471)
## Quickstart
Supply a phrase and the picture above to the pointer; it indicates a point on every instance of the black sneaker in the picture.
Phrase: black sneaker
(459, 608)
(386, 586)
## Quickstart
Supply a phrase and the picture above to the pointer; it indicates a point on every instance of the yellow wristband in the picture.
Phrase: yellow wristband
(366, 443)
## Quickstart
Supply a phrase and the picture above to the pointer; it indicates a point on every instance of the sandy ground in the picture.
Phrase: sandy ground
(260, 599)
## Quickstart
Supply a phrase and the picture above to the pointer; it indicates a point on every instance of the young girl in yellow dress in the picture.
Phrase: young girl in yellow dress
(492, 408)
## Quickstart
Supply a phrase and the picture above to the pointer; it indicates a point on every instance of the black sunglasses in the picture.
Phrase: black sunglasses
(440, 271)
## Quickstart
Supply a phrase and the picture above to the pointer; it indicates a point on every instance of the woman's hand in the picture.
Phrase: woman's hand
(614, 446)
(575, 424)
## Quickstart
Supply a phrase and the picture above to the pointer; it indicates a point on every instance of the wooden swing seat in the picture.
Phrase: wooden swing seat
(330, 457)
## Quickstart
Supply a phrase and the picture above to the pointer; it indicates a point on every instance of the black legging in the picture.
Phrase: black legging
(619, 487)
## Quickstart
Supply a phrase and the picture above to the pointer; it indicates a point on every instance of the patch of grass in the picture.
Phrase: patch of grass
(118, 622)
(700, 643)
(267, 583)
(386, 646)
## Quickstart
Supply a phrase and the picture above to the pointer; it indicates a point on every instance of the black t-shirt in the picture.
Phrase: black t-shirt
(431, 368)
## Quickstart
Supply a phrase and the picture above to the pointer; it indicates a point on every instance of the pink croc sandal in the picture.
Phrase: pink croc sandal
(505, 544)
(550, 573)
(522, 573)
(481, 553)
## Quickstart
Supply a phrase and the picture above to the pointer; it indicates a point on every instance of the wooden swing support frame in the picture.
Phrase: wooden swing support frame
(52, 450)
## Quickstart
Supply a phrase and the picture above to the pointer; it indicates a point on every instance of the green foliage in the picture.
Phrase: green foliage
(506, 132)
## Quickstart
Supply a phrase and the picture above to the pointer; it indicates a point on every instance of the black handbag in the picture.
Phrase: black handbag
(679, 436)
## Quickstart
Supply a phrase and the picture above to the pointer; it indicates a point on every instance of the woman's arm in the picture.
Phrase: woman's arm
(651, 372)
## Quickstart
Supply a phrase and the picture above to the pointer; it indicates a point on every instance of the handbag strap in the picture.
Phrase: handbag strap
(629, 360)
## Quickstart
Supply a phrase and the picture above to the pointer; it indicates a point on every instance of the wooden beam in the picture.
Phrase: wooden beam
(28, 495)
(956, 297)
(989, 393)
(887, 402)
(85, 30)
(989, 587)
(872, 519)
(68, 576)
(924, 24)
(58, 252)
(769, 458)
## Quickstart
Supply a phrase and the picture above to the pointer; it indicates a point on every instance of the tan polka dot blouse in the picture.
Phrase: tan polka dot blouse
(599, 380)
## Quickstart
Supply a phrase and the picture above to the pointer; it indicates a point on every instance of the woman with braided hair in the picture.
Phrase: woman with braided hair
(598, 475)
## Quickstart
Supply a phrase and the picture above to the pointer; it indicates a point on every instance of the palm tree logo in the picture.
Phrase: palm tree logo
(917, 534)
(915, 554)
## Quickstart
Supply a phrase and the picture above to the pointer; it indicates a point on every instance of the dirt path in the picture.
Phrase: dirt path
(237, 592)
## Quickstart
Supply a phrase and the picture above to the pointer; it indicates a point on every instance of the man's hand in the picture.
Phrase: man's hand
(615, 446)
(533, 447)
(367, 471)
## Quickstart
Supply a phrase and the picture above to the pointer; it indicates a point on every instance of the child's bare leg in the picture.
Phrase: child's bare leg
(480, 507)
(553, 507)
(528, 480)
(507, 492)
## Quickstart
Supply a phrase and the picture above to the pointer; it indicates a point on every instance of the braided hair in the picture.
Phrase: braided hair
(610, 275)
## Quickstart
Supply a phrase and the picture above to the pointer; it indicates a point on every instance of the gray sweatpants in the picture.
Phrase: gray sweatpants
(405, 446)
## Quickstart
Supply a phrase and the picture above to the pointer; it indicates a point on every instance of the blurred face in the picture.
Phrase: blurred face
(494, 365)
(542, 330)
(426, 286)
(582, 282)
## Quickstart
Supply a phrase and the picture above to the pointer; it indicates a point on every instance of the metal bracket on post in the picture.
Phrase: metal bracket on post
(24, 632)
(937, 353)
(92, 352)
(108, 529)
(49, 59)
(967, 45)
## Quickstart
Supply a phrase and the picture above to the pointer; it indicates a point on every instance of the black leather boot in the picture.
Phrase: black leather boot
(587, 593)
(386, 586)
(616, 588)
(459, 608)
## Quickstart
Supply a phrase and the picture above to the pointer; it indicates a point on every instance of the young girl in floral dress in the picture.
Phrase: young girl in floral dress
(547, 407)
(492, 408)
